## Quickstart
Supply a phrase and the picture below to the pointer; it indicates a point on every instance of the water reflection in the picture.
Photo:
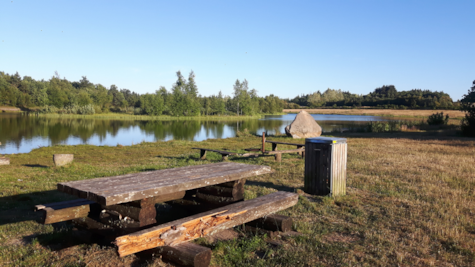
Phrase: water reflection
(21, 134)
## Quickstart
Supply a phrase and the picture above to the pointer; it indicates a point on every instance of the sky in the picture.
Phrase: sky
(285, 48)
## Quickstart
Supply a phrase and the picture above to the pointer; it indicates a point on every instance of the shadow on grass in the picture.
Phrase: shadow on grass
(19, 208)
(272, 185)
(35, 166)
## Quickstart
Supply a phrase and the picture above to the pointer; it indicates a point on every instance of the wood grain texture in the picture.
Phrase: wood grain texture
(206, 223)
(130, 187)
(63, 211)
(325, 169)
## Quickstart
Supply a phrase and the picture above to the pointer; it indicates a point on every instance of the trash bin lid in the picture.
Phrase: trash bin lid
(325, 140)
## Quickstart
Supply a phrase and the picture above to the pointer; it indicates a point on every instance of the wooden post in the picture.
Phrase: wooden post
(263, 142)
(202, 154)
(274, 147)
(224, 157)
(187, 254)
(278, 157)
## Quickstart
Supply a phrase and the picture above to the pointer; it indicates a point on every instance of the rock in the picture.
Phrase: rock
(62, 159)
(4, 161)
(303, 126)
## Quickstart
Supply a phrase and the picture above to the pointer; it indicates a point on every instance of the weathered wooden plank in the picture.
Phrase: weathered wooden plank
(50, 215)
(284, 143)
(63, 211)
(126, 188)
(145, 178)
(285, 151)
(169, 176)
(206, 223)
(187, 254)
(64, 204)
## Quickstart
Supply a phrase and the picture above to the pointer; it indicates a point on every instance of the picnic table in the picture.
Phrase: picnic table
(134, 196)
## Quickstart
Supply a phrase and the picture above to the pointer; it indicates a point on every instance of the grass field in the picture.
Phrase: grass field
(418, 113)
(410, 202)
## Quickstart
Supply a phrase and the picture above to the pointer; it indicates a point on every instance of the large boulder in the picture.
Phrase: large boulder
(303, 126)
(62, 159)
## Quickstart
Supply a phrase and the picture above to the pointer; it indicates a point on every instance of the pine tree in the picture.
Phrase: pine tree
(468, 105)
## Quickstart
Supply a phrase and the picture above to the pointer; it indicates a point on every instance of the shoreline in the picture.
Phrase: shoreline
(402, 113)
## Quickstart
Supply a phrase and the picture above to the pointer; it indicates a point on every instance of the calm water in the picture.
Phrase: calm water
(21, 134)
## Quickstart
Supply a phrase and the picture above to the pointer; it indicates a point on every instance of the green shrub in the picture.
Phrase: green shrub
(48, 109)
(438, 119)
(86, 110)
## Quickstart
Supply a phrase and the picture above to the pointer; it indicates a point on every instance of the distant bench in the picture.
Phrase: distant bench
(275, 143)
(224, 154)
(277, 153)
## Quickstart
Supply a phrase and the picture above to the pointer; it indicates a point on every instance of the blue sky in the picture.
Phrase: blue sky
(286, 48)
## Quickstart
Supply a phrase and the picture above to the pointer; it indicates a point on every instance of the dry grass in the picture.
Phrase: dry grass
(410, 202)
(381, 112)
(9, 109)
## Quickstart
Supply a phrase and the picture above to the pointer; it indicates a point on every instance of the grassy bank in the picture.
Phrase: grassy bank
(402, 113)
(410, 201)
(9, 109)
(124, 116)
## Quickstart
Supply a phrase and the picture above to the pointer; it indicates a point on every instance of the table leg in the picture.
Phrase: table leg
(147, 212)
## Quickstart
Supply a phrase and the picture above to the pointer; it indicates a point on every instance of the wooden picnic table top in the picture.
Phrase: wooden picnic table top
(136, 186)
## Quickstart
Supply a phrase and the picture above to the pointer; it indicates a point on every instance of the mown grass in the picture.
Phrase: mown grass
(410, 201)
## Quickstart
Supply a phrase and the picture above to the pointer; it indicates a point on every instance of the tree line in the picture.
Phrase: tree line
(383, 97)
(58, 95)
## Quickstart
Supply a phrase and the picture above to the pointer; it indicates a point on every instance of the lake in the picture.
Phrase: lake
(21, 134)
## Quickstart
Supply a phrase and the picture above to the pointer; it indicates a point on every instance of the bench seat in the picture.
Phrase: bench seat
(63, 211)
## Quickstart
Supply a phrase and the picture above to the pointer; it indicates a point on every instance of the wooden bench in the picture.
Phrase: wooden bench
(134, 196)
(275, 143)
(206, 223)
(63, 211)
(224, 154)
(278, 153)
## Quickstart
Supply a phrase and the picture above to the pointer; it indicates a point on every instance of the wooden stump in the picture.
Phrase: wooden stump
(4, 161)
(203, 154)
(62, 159)
(224, 157)
(278, 157)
